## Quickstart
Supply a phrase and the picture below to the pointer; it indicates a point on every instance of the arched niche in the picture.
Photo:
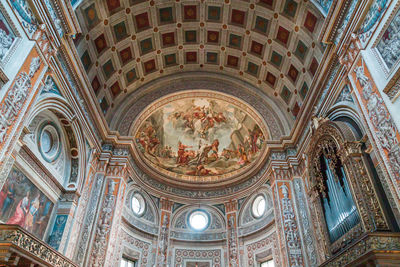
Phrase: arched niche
(347, 113)
(181, 229)
(148, 220)
(53, 113)
(248, 221)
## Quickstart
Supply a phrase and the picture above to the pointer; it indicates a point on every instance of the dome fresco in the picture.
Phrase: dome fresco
(199, 136)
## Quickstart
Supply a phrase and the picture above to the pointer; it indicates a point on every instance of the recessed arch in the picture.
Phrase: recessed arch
(62, 112)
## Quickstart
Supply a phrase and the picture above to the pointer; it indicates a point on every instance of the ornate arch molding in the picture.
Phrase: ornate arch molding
(181, 230)
(338, 143)
(249, 224)
(347, 110)
(73, 136)
(149, 221)
(275, 118)
(189, 208)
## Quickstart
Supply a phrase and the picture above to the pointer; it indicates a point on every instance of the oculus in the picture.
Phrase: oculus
(49, 143)
(195, 137)
(138, 204)
(259, 206)
(198, 220)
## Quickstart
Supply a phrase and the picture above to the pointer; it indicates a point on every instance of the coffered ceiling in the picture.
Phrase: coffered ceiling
(271, 45)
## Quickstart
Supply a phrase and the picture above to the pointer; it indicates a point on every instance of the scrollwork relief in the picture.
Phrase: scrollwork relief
(290, 228)
(31, 245)
(104, 225)
(15, 99)
(306, 224)
(379, 116)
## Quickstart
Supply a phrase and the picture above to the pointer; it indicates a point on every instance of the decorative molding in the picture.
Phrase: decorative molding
(163, 239)
(8, 47)
(290, 227)
(345, 95)
(104, 224)
(25, 15)
(213, 255)
(375, 12)
(261, 246)
(15, 98)
(5, 170)
(32, 247)
(58, 230)
(89, 218)
(368, 244)
(386, 132)
(232, 234)
(305, 223)
(38, 167)
(145, 248)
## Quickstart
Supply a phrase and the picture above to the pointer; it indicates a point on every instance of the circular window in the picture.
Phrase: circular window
(138, 204)
(49, 142)
(259, 206)
(198, 220)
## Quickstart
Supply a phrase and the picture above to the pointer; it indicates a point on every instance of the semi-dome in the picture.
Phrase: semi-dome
(200, 137)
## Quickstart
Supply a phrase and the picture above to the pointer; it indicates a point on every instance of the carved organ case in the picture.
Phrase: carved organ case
(343, 200)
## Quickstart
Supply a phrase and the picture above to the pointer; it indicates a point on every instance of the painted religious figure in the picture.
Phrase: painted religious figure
(200, 137)
(22, 203)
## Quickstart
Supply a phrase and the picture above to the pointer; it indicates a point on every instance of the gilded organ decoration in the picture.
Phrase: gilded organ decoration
(343, 197)
(340, 211)
(195, 137)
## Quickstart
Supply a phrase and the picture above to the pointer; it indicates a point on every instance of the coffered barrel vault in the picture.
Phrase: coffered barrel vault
(272, 45)
(223, 133)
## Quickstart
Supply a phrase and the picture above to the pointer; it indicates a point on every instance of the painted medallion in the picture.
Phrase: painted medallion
(194, 137)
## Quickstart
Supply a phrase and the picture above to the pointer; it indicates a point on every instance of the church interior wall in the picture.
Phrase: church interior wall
(73, 182)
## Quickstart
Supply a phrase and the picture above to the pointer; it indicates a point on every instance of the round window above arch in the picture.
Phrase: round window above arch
(138, 204)
(259, 206)
(49, 142)
(199, 220)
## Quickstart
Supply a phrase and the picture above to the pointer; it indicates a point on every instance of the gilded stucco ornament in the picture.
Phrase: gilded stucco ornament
(336, 142)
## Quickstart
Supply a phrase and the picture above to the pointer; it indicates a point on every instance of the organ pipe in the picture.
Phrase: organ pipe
(341, 213)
